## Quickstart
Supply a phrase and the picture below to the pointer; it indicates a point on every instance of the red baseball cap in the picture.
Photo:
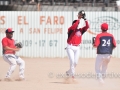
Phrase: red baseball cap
(104, 26)
(9, 30)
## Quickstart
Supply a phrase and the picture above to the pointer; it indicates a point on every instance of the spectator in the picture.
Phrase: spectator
(23, 1)
(106, 2)
(39, 5)
(118, 4)
(32, 2)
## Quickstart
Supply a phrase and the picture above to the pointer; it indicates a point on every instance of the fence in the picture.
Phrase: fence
(44, 34)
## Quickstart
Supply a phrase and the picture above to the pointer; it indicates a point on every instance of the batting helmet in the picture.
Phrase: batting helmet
(104, 26)
(82, 12)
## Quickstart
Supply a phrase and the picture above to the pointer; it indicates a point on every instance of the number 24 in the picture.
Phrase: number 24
(106, 42)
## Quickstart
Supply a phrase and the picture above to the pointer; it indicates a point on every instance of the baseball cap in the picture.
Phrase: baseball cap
(104, 26)
(9, 30)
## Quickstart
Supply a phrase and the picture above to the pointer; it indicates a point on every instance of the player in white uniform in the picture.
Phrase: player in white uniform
(105, 43)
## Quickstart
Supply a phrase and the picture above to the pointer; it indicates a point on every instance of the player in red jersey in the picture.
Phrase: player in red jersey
(75, 32)
(105, 43)
(9, 56)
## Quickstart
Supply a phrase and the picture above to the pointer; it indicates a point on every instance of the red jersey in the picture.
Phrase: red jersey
(105, 43)
(10, 43)
(76, 36)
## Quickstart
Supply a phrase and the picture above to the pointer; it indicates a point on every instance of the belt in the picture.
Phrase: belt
(74, 44)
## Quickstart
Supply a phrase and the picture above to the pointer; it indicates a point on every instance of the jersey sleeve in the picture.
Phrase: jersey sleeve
(97, 41)
(4, 42)
(74, 26)
(84, 29)
(114, 42)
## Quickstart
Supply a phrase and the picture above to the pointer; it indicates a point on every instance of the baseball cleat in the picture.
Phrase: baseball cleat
(67, 73)
(7, 79)
(73, 77)
(20, 79)
(101, 80)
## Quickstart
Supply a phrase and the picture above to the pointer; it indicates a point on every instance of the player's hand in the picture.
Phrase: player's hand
(16, 49)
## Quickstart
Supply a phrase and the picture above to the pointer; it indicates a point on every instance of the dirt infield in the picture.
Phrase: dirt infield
(49, 74)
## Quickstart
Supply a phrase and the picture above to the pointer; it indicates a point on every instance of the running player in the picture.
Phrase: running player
(105, 43)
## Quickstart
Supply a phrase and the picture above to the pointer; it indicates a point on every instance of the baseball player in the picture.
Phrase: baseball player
(9, 56)
(105, 43)
(75, 32)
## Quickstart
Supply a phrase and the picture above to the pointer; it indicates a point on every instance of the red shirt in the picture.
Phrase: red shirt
(76, 36)
(10, 43)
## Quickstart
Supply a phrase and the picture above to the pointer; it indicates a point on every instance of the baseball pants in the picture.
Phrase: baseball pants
(101, 64)
(13, 60)
(73, 55)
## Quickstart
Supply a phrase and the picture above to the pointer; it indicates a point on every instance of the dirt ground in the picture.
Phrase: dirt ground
(49, 74)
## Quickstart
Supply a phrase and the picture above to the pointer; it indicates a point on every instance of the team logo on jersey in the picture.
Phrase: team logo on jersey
(78, 33)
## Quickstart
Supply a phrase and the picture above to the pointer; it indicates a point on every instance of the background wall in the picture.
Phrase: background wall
(44, 34)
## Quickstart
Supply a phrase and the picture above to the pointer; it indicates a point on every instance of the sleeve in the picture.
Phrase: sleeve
(114, 42)
(74, 26)
(97, 41)
(4, 42)
(84, 29)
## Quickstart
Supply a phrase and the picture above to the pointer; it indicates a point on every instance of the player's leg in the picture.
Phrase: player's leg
(70, 53)
(21, 64)
(12, 62)
(76, 57)
(105, 64)
(98, 64)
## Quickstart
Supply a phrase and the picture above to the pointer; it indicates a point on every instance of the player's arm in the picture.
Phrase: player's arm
(6, 47)
(74, 26)
(114, 43)
(89, 31)
(85, 28)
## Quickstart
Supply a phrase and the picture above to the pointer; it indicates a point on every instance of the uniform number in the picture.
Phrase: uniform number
(106, 42)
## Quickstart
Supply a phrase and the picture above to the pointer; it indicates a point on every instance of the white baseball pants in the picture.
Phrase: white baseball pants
(73, 55)
(101, 64)
(13, 60)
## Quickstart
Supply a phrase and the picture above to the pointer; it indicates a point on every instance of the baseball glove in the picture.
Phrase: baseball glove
(93, 40)
(19, 45)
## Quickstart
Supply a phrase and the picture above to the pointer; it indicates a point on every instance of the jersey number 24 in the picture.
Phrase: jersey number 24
(106, 42)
